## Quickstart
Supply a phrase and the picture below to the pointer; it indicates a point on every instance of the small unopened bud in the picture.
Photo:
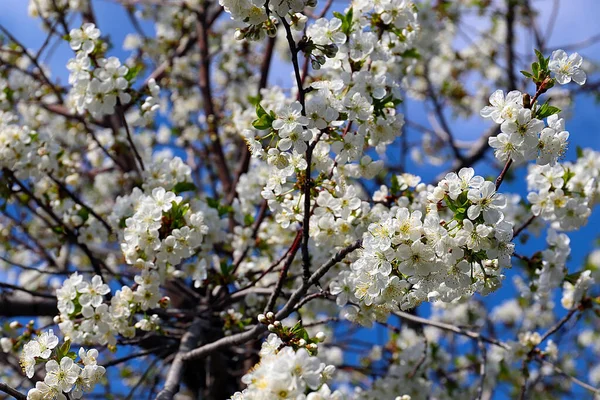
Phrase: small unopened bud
(312, 346)
(271, 328)
(72, 179)
(320, 336)
(270, 315)
(6, 345)
(262, 319)
(15, 325)
(277, 324)
(164, 302)
(330, 50)
(526, 100)
(301, 342)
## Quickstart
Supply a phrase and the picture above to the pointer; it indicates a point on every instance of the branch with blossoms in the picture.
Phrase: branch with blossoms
(175, 223)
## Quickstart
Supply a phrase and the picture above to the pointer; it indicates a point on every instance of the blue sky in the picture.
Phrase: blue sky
(578, 20)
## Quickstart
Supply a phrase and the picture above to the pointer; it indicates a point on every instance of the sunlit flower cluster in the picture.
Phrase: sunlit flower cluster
(24, 151)
(564, 194)
(456, 248)
(63, 374)
(98, 83)
(287, 374)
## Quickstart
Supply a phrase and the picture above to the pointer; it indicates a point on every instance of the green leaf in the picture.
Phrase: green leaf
(411, 53)
(539, 56)
(263, 123)
(346, 27)
(248, 219)
(133, 72)
(526, 74)
(545, 63)
(535, 68)
(450, 203)
(579, 152)
(84, 214)
(223, 210)
(184, 187)
(265, 119)
(260, 111)
(572, 278)
(546, 110)
(254, 100)
(395, 185)
(226, 268)
(63, 350)
(212, 203)
(567, 176)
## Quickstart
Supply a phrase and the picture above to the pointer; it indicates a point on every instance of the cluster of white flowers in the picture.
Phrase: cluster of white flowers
(312, 149)
(49, 8)
(344, 114)
(256, 16)
(400, 377)
(553, 268)
(151, 104)
(335, 221)
(63, 374)
(283, 373)
(457, 247)
(524, 137)
(166, 172)
(565, 193)
(97, 82)
(84, 315)
(573, 293)
(27, 153)
(162, 231)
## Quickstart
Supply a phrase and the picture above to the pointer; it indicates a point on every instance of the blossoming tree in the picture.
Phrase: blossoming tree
(176, 224)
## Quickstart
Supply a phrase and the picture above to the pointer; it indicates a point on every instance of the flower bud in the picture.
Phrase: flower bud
(6, 344)
(239, 35)
(164, 302)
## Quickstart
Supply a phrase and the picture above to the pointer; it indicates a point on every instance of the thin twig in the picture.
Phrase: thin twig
(502, 175)
(287, 309)
(482, 369)
(129, 137)
(451, 328)
(13, 392)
